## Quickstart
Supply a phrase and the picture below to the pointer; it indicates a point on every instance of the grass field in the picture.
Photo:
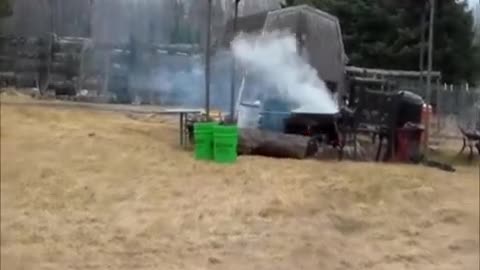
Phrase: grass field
(96, 190)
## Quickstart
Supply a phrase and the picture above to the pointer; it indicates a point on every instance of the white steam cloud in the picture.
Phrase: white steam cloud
(273, 57)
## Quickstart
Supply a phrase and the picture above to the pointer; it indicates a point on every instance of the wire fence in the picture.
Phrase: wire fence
(456, 106)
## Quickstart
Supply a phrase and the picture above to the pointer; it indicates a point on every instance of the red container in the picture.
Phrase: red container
(427, 112)
(408, 143)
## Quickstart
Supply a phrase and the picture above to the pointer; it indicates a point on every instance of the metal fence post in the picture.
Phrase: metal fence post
(207, 58)
(437, 90)
(429, 71)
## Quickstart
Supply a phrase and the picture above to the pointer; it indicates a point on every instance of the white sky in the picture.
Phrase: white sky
(472, 2)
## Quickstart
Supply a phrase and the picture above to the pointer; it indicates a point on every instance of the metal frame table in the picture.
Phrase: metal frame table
(183, 116)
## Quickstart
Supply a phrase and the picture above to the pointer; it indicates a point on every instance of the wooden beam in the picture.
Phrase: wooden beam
(388, 72)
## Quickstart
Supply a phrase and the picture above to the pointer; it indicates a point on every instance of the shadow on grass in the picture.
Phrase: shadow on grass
(453, 158)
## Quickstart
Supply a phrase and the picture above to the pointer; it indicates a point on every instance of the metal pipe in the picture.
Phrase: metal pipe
(233, 68)
(429, 72)
(207, 59)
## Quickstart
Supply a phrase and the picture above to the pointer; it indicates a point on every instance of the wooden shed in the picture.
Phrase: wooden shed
(318, 33)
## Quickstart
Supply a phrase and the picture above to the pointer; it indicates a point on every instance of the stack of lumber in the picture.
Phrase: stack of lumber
(130, 66)
(30, 66)
(7, 59)
(118, 69)
(67, 64)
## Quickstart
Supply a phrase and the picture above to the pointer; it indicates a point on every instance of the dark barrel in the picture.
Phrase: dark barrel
(409, 108)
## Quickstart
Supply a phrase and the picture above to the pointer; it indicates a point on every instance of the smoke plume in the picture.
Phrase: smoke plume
(273, 57)
(181, 80)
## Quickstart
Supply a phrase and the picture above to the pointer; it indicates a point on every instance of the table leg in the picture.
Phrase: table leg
(355, 144)
(463, 147)
(379, 149)
(181, 129)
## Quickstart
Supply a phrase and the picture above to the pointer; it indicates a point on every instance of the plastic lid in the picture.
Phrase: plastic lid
(411, 97)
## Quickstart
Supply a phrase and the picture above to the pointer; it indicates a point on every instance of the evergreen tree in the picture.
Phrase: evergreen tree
(288, 3)
(5, 8)
(387, 34)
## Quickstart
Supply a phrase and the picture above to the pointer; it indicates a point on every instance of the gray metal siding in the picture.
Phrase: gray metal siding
(324, 44)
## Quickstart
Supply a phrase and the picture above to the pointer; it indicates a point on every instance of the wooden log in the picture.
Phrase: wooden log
(119, 70)
(6, 58)
(56, 77)
(7, 75)
(119, 56)
(7, 79)
(66, 57)
(30, 54)
(5, 40)
(386, 72)
(29, 43)
(28, 65)
(272, 144)
(92, 84)
(26, 79)
(70, 45)
(168, 48)
(65, 68)
(6, 66)
(63, 88)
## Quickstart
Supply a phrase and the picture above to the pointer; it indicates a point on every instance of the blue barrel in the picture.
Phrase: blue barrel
(273, 115)
(273, 121)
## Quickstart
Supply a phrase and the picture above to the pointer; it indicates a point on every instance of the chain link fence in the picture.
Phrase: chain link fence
(456, 106)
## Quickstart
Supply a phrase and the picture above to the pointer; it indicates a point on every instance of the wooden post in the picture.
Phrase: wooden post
(476, 104)
(233, 68)
(81, 75)
(423, 27)
(439, 100)
(429, 72)
(106, 75)
(207, 59)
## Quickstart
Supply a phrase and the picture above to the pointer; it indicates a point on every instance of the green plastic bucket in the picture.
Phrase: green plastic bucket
(225, 141)
(203, 138)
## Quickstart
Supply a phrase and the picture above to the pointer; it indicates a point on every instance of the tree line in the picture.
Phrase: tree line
(388, 34)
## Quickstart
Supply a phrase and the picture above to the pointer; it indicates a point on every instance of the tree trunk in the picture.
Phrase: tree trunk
(272, 144)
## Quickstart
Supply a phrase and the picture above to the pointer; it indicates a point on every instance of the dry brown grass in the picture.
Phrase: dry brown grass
(91, 190)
